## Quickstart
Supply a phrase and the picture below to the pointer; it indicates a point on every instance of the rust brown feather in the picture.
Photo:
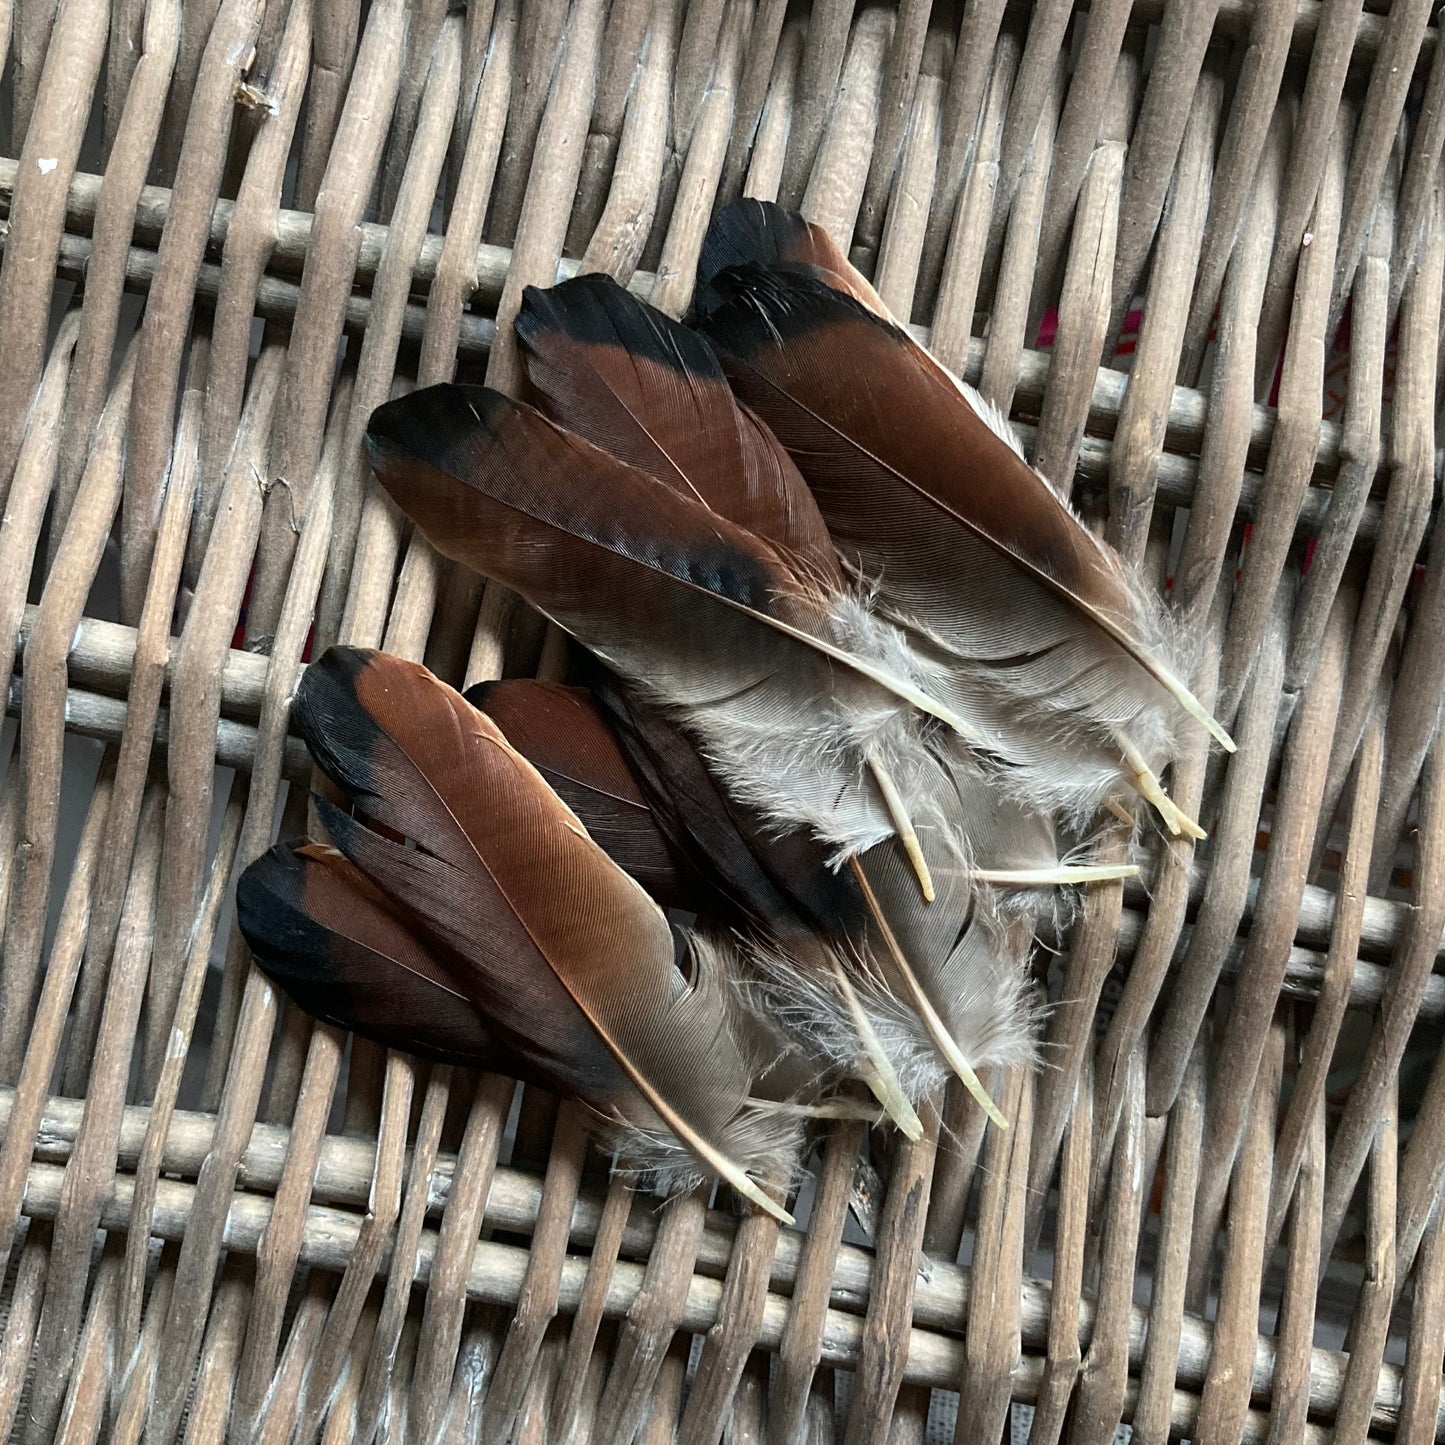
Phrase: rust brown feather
(323, 932)
(564, 735)
(1062, 663)
(565, 956)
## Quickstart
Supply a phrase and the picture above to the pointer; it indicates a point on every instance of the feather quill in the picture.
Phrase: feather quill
(567, 959)
(1059, 659)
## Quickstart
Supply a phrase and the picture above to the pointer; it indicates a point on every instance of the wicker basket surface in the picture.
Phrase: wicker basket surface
(1194, 248)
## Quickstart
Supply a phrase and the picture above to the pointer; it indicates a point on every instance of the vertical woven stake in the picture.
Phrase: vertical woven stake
(1099, 1404)
(1420, 1392)
(1292, 1365)
(1062, 1351)
(991, 1347)
(1319, 1045)
(1219, 916)
(883, 1352)
(652, 1320)
(34, 477)
(1228, 1385)
(537, 1304)
(1371, 1323)
(1238, 1063)
(801, 1346)
(727, 1345)
(1154, 1412)
(1355, 1131)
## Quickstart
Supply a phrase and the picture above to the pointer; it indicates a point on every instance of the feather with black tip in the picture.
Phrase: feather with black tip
(326, 935)
(1060, 661)
(565, 957)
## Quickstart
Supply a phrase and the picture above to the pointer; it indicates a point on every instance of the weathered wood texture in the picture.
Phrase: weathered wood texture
(1195, 247)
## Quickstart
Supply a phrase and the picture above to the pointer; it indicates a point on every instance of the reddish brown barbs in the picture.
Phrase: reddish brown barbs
(567, 961)
(649, 392)
(1059, 660)
(665, 527)
(563, 734)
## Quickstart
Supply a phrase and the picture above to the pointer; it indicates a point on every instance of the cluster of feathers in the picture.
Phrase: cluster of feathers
(854, 682)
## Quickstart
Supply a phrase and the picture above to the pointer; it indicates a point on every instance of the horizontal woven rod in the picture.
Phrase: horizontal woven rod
(1236, 18)
(498, 1270)
(344, 1175)
(1383, 920)
(102, 655)
(1184, 428)
(92, 715)
(1304, 971)
(277, 299)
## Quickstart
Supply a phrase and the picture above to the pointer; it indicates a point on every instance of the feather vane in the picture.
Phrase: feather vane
(1053, 644)
(566, 957)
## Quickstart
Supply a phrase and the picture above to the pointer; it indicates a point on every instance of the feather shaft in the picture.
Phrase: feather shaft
(903, 825)
(713, 1157)
(900, 687)
(1114, 806)
(854, 1109)
(1176, 687)
(1146, 782)
(1063, 876)
(937, 1030)
(1047, 641)
(875, 1068)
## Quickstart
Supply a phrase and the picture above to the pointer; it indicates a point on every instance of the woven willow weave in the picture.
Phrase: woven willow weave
(233, 228)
